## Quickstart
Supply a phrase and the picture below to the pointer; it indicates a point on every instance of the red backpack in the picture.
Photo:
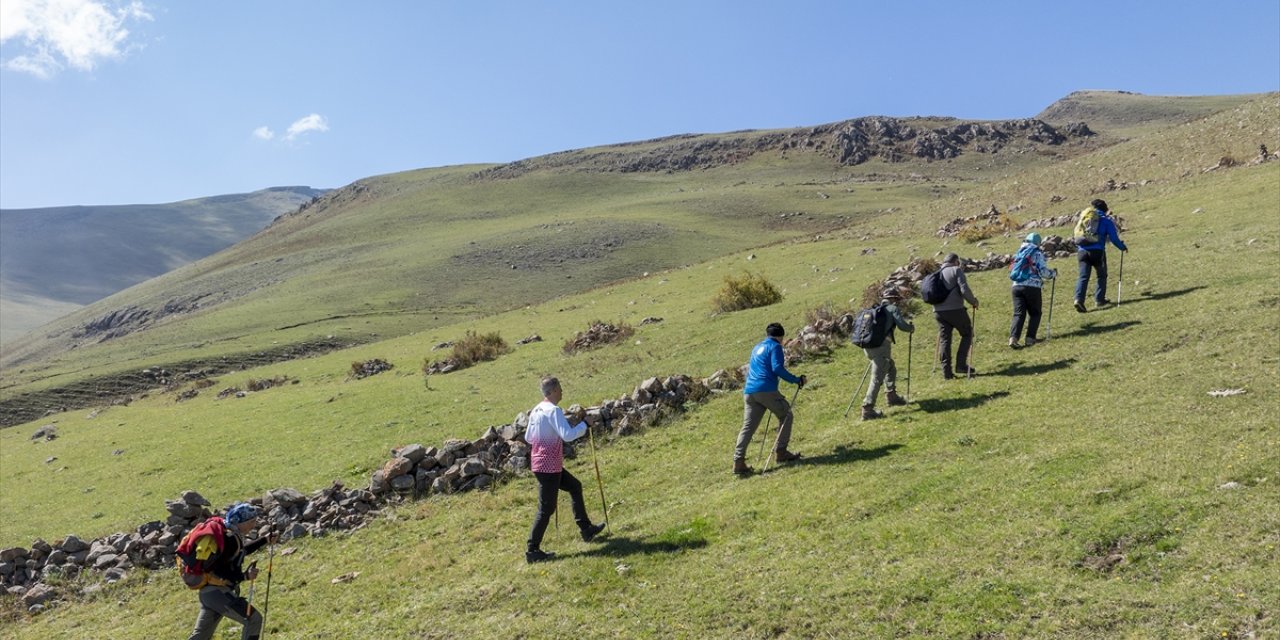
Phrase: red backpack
(198, 550)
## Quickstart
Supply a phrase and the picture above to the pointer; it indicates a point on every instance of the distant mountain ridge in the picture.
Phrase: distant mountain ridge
(55, 259)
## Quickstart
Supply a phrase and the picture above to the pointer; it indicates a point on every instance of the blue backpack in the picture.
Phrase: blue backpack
(1023, 267)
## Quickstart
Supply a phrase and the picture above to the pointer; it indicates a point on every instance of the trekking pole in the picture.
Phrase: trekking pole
(857, 391)
(599, 482)
(909, 345)
(760, 456)
(1120, 280)
(266, 601)
(1048, 327)
(937, 354)
(973, 341)
(790, 412)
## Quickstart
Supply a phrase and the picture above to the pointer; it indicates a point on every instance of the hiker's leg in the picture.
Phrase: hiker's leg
(965, 328)
(548, 487)
(775, 402)
(1034, 308)
(890, 372)
(570, 485)
(1019, 312)
(206, 623)
(227, 604)
(878, 357)
(1101, 265)
(944, 340)
(1082, 281)
(752, 412)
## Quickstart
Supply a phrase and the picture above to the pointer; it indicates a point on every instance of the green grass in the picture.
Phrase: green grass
(970, 513)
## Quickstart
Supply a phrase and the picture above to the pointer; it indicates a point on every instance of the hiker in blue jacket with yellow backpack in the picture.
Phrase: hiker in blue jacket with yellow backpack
(1028, 271)
(1094, 228)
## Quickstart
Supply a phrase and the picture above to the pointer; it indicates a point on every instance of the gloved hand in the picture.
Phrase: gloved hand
(803, 381)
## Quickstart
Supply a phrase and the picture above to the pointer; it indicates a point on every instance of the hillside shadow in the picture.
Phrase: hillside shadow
(1033, 369)
(612, 546)
(1164, 295)
(958, 404)
(846, 455)
(1090, 328)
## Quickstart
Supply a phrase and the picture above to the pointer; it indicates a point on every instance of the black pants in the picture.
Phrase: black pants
(1026, 302)
(1096, 260)
(953, 320)
(549, 486)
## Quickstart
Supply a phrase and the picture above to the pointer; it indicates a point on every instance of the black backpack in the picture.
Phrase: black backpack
(870, 326)
(933, 289)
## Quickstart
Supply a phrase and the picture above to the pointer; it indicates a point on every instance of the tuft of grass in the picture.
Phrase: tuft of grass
(597, 335)
(1001, 224)
(747, 291)
(472, 349)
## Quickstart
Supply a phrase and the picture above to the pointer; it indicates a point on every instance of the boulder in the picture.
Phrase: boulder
(113, 575)
(473, 467)
(286, 497)
(378, 482)
(193, 498)
(402, 483)
(13, 553)
(414, 453)
(38, 594)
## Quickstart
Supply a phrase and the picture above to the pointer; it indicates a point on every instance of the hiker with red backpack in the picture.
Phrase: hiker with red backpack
(210, 559)
(1094, 228)
(1028, 271)
(873, 331)
(947, 290)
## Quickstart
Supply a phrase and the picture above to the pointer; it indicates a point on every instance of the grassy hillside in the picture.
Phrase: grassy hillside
(978, 511)
(103, 249)
(1130, 114)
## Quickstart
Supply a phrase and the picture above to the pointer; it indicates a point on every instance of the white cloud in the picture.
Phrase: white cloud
(264, 133)
(61, 33)
(313, 122)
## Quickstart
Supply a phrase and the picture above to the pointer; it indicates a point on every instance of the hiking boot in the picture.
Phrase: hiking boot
(1031, 341)
(782, 455)
(966, 371)
(591, 531)
(1080, 306)
(740, 467)
(1102, 304)
(893, 399)
(946, 374)
(1013, 343)
(869, 412)
(538, 555)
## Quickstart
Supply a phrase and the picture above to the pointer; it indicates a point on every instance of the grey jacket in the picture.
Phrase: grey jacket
(959, 286)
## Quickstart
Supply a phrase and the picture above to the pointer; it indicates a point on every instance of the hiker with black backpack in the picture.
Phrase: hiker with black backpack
(1028, 271)
(760, 393)
(947, 290)
(548, 431)
(210, 559)
(873, 330)
(1094, 228)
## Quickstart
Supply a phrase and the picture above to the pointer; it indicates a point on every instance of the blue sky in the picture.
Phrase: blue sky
(107, 102)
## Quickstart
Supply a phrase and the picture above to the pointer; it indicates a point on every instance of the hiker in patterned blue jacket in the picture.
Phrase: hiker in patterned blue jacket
(1028, 272)
(1093, 255)
(760, 393)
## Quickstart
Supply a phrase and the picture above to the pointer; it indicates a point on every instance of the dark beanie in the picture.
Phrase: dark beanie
(774, 330)
(1100, 205)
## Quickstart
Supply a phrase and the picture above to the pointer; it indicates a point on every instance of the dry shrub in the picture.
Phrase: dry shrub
(598, 334)
(983, 229)
(472, 349)
(747, 291)
(825, 313)
(366, 368)
(262, 384)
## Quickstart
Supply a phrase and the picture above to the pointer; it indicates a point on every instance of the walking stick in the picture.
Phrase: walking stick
(972, 341)
(1048, 327)
(1120, 280)
(760, 456)
(937, 354)
(599, 482)
(790, 412)
(909, 345)
(266, 601)
(857, 391)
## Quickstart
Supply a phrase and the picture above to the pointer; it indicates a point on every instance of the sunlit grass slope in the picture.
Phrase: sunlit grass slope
(970, 513)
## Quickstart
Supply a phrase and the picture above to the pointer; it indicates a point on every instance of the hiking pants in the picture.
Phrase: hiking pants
(883, 371)
(957, 320)
(753, 407)
(217, 603)
(1095, 259)
(1026, 302)
(549, 487)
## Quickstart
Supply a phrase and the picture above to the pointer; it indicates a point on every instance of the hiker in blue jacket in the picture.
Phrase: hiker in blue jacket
(1028, 273)
(760, 393)
(1092, 254)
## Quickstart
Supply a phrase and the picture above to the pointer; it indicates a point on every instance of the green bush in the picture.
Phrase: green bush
(747, 291)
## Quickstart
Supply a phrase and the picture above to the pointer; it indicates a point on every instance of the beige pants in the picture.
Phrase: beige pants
(753, 407)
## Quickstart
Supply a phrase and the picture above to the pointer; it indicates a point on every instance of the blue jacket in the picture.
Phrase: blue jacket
(1106, 230)
(767, 365)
